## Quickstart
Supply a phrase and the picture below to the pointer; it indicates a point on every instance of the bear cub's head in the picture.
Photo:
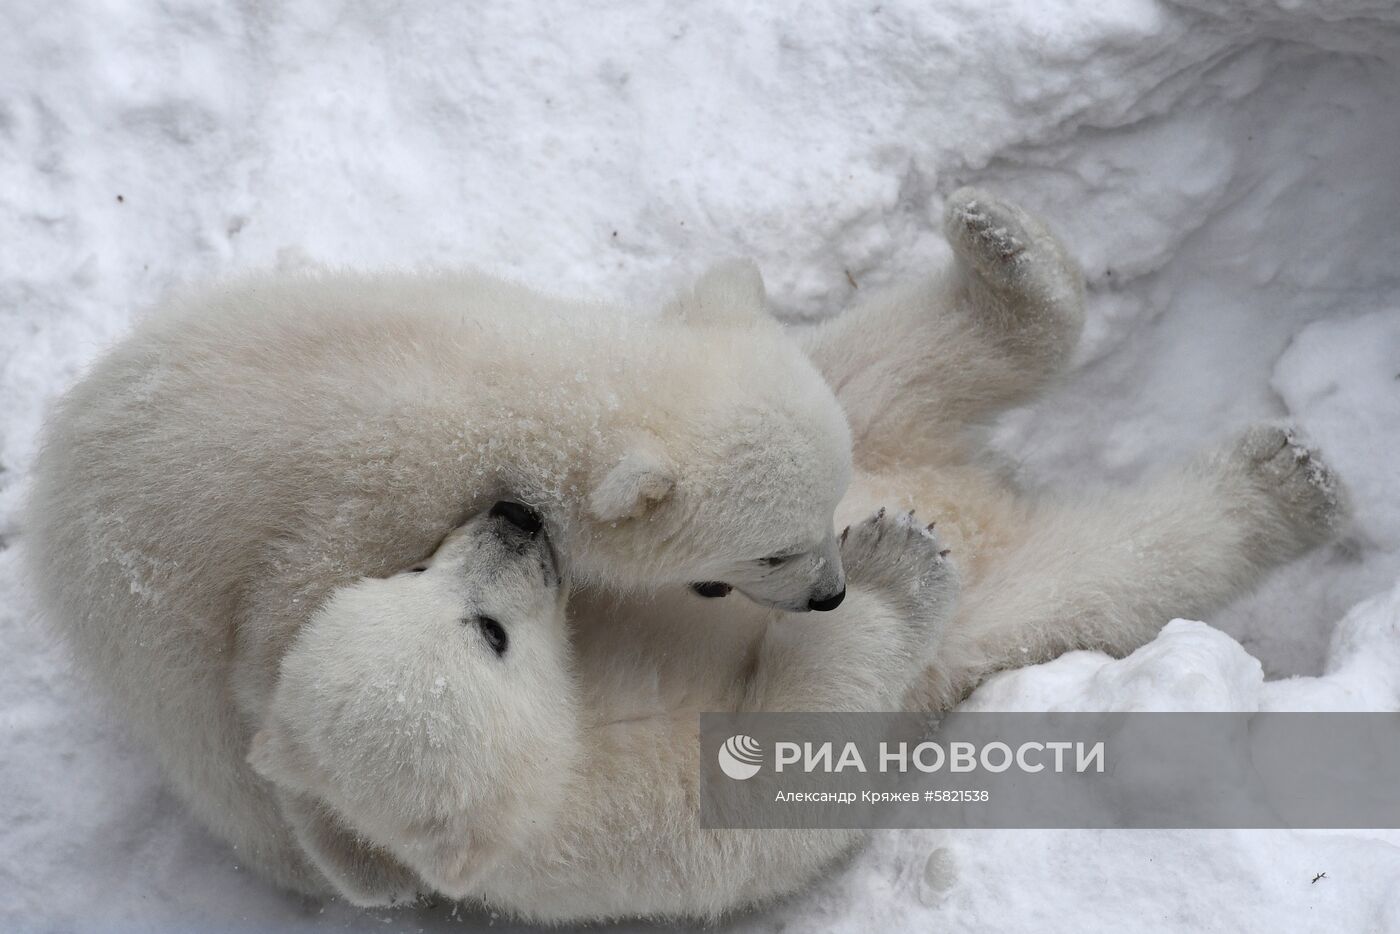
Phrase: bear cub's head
(434, 705)
(731, 474)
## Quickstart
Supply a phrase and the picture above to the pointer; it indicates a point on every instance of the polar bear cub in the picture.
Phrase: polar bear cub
(251, 448)
(433, 732)
(645, 441)
(432, 712)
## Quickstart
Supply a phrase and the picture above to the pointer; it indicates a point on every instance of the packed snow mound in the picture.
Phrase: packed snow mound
(1224, 168)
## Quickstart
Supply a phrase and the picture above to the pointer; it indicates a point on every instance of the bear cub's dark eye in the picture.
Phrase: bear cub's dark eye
(774, 560)
(494, 634)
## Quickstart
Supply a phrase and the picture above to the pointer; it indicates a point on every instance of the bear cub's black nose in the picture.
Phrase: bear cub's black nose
(519, 515)
(827, 603)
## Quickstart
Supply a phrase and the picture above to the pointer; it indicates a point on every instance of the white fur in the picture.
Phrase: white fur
(609, 828)
(250, 448)
(394, 721)
(564, 787)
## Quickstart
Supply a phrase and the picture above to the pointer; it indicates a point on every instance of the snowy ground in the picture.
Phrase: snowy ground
(1228, 170)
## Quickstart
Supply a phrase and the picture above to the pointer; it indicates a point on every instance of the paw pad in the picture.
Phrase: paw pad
(1296, 477)
(904, 560)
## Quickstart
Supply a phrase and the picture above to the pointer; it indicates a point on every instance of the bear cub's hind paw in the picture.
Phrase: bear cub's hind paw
(1309, 496)
(1015, 254)
(984, 230)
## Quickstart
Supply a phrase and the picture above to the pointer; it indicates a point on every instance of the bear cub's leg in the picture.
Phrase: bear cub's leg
(901, 590)
(1020, 290)
(1022, 279)
(1107, 574)
(986, 332)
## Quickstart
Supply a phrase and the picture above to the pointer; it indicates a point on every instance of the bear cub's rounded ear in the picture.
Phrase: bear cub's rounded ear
(730, 292)
(642, 477)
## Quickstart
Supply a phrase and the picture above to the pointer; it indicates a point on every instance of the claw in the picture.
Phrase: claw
(945, 552)
(929, 527)
(844, 532)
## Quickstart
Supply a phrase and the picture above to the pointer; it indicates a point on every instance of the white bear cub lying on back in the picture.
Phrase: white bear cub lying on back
(432, 712)
(433, 732)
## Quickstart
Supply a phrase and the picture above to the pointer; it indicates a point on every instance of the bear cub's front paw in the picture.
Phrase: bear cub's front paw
(904, 561)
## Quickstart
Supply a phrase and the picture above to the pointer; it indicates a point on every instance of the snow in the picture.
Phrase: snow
(1226, 169)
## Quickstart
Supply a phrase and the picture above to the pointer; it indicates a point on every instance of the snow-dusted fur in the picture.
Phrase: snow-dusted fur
(567, 772)
(917, 371)
(411, 757)
(249, 449)
(1096, 569)
(399, 718)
